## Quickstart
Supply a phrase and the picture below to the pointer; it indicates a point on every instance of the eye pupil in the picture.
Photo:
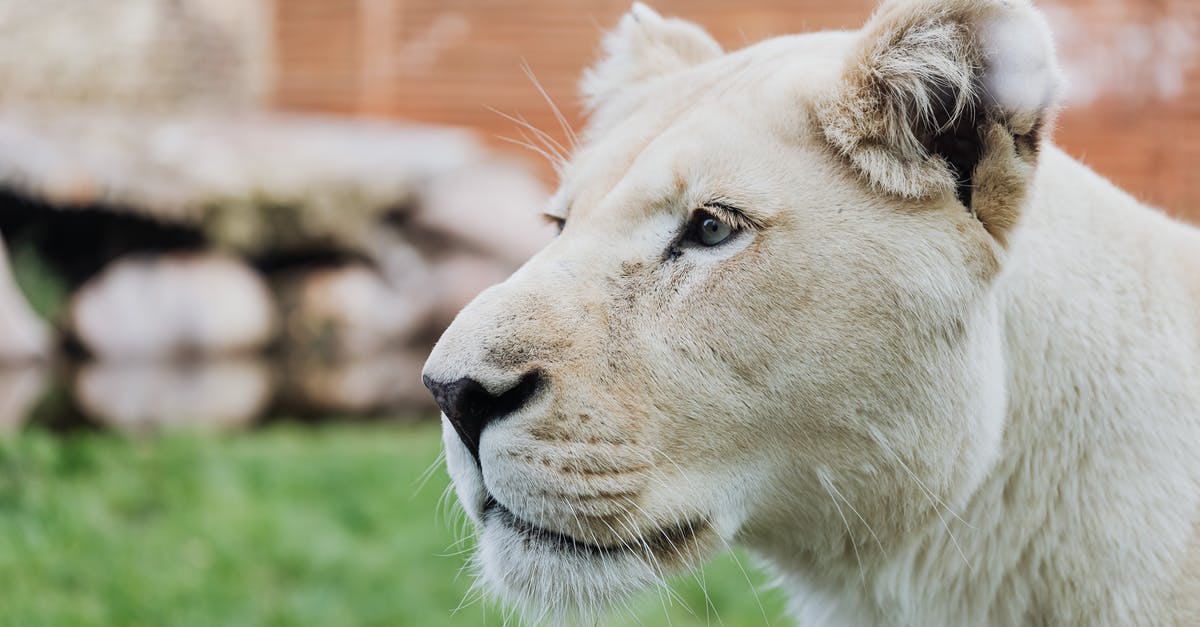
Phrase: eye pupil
(710, 230)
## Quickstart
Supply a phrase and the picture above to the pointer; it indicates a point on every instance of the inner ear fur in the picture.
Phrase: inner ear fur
(947, 97)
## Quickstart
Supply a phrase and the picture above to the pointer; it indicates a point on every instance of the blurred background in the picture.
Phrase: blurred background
(230, 231)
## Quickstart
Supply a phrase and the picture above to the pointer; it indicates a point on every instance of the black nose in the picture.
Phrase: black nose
(470, 407)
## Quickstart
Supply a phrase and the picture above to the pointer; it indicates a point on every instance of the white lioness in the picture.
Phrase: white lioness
(837, 299)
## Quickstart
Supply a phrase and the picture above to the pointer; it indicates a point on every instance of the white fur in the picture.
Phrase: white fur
(1021, 77)
(916, 409)
(643, 46)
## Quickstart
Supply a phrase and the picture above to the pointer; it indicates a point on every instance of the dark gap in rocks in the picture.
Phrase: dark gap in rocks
(77, 242)
(282, 262)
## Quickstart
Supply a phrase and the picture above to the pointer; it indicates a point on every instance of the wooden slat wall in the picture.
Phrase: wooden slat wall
(448, 61)
(316, 55)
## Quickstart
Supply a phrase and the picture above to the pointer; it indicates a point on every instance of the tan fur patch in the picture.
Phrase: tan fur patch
(918, 75)
(893, 93)
(1000, 181)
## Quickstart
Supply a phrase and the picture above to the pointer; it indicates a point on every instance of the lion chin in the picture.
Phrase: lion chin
(837, 299)
(549, 573)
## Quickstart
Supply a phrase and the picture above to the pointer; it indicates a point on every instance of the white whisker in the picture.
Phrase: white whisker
(853, 544)
(562, 120)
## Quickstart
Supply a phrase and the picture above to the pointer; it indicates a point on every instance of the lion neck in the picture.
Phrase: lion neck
(1048, 533)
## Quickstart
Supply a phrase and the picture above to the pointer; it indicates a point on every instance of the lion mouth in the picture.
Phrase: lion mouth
(665, 540)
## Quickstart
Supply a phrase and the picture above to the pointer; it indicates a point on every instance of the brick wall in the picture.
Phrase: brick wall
(1133, 109)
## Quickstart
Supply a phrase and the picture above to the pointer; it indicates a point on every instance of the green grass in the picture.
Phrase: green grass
(289, 525)
(45, 288)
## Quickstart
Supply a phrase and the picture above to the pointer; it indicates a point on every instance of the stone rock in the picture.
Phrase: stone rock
(388, 381)
(147, 396)
(458, 279)
(171, 55)
(493, 208)
(348, 311)
(20, 389)
(171, 305)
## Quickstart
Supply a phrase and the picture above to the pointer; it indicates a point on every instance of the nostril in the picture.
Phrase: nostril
(470, 407)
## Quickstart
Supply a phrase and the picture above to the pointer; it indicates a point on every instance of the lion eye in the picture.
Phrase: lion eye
(558, 222)
(708, 230)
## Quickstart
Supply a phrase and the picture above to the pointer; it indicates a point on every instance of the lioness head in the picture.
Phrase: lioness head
(769, 315)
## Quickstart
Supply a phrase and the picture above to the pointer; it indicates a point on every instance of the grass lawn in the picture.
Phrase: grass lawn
(287, 525)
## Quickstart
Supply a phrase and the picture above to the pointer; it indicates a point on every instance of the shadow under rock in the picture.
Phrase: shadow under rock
(212, 394)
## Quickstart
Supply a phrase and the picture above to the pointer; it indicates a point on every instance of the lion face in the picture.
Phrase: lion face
(738, 336)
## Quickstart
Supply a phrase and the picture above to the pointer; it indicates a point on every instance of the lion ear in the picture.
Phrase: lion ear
(645, 45)
(947, 96)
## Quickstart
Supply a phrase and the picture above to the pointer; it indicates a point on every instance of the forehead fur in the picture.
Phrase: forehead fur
(697, 121)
